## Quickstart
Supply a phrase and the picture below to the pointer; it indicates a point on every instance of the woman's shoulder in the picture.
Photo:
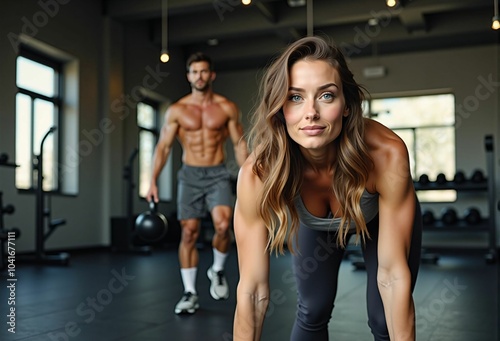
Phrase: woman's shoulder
(388, 152)
(380, 139)
(247, 176)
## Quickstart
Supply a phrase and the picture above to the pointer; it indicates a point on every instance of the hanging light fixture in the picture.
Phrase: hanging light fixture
(164, 56)
(310, 18)
(391, 3)
(496, 19)
(246, 2)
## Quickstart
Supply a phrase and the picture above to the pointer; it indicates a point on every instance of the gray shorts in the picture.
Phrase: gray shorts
(200, 189)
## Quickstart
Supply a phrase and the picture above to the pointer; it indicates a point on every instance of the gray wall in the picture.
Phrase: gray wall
(115, 61)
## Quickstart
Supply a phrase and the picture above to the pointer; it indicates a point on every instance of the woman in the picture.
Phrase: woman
(319, 172)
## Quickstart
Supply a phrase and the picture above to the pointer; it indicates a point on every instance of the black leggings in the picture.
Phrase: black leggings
(316, 265)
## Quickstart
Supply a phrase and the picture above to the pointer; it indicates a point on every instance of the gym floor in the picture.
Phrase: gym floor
(106, 296)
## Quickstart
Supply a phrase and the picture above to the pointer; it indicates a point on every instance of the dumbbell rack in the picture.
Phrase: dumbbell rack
(484, 225)
(2, 227)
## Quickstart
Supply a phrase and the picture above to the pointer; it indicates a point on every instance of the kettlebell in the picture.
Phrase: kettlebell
(151, 226)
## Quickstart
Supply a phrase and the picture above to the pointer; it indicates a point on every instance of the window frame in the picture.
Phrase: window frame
(368, 112)
(58, 100)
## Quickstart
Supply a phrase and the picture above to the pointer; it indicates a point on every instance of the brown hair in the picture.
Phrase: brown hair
(279, 162)
(199, 57)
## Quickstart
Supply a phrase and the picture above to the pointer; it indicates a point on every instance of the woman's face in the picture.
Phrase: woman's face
(315, 104)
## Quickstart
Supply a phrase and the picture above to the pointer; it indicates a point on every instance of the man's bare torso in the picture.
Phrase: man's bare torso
(203, 130)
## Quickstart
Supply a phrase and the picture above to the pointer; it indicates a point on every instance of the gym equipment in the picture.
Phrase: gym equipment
(123, 236)
(459, 177)
(441, 179)
(423, 179)
(4, 158)
(6, 233)
(478, 176)
(151, 226)
(43, 216)
(472, 216)
(428, 217)
(449, 216)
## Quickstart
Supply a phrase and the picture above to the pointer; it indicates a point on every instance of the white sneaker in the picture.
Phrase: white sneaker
(188, 304)
(218, 288)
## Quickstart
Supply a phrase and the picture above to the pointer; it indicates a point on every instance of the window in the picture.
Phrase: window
(427, 126)
(38, 109)
(148, 123)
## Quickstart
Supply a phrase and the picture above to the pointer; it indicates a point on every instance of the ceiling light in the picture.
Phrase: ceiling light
(213, 42)
(496, 23)
(246, 2)
(391, 3)
(164, 57)
(296, 3)
(496, 19)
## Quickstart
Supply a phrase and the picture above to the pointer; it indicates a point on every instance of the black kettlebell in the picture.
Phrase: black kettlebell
(151, 226)
(449, 216)
(472, 216)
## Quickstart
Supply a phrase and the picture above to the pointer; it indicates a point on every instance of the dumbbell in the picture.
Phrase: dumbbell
(423, 179)
(428, 217)
(449, 216)
(478, 176)
(8, 209)
(472, 216)
(441, 179)
(6, 233)
(459, 177)
(4, 158)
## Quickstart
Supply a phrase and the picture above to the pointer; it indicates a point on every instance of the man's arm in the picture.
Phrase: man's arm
(236, 134)
(162, 151)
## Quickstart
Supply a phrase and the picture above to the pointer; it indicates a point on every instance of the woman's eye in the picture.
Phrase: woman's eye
(295, 98)
(327, 96)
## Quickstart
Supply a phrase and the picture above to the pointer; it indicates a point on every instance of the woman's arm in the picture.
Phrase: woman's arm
(253, 259)
(396, 214)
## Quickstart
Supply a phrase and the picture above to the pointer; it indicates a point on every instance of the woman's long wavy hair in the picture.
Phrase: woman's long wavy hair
(278, 161)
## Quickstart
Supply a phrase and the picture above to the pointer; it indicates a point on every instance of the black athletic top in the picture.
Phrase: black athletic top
(369, 207)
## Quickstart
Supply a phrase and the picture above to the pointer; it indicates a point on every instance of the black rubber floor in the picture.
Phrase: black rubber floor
(106, 296)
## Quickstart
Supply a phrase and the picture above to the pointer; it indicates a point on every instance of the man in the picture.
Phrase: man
(201, 121)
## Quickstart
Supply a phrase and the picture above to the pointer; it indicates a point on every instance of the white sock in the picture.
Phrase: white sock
(219, 260)
(189, 279)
